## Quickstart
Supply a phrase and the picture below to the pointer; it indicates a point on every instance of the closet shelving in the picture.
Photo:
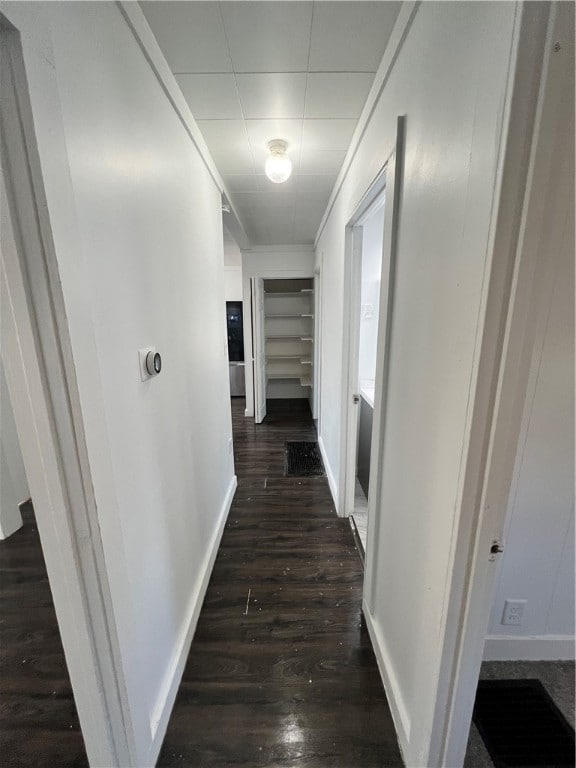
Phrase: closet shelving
(289, 325)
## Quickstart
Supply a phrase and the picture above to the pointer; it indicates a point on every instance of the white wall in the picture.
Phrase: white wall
(233, 283)
(372, 239)
(232, 269)
(13, 483)
(449, 80)
(538, 560)
(269, 262)
(140, 254)
(278, 262)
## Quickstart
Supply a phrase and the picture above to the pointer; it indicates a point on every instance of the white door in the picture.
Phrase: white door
(259, 349)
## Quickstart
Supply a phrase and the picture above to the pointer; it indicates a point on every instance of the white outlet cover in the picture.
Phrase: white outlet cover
(367, 311)
(513, 612)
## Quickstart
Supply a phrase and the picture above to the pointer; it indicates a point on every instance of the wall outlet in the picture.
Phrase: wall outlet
(367, 311)
(513, 612)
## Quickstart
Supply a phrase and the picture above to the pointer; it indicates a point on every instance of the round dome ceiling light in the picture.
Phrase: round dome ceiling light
(278, 166)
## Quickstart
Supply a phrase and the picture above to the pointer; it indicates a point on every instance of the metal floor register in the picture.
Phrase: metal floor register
(303, 459)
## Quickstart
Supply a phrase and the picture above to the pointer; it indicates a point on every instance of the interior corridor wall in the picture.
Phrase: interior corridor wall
(449, 81)
(232, 269)
(139, 242)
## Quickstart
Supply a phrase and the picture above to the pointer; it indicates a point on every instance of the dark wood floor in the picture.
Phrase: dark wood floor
(293, 681)
(38, 721)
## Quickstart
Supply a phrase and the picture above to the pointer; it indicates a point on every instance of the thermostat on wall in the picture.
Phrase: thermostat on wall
(150, 363)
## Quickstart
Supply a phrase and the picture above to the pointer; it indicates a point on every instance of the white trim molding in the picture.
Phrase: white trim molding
(171, 682)
(391, 686)
(329, 474)
(529, 648)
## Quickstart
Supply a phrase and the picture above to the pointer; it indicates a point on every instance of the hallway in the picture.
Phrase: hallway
(172, 168)
(287, 677)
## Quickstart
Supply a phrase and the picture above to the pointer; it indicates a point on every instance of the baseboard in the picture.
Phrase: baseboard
(529, 648)
(393, 694)
(163, 708)
(329, 474)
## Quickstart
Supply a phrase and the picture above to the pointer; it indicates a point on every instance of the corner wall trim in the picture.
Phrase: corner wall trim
(329, 474)
(169, 688)
(391, 687)
(529, 648)
(138, 25)
(393, 48)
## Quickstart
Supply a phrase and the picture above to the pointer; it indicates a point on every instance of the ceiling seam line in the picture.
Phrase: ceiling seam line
(237, 92)
(294, 217)
(284, 72)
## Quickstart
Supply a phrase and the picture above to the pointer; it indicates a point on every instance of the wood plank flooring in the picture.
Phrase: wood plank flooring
(39, 725)
(281, 671)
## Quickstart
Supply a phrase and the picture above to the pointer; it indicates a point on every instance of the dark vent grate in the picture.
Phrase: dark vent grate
(521, 726)
(303, 460)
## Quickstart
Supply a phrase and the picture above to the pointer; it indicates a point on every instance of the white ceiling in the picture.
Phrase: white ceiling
(255, 71)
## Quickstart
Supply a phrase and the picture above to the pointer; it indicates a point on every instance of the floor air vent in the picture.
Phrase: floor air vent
(303, 460)
(521, 726)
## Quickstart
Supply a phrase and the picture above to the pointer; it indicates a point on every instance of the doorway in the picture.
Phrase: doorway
(495, 593)
(370, 232)
(37, 360)
(283, 332)
(363, 305)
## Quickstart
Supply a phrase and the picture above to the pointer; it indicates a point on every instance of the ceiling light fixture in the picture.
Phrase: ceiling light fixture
(278, 166)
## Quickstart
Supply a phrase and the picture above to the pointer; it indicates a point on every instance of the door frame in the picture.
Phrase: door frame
(41, 377)
(317, 378)
(536, 196)
(259, 344)
(250, 352)
(386, 182)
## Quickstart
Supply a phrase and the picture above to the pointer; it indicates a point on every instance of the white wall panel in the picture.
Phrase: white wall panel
(449, 81)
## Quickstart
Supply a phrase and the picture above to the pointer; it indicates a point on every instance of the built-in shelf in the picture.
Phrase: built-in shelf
(289, 364)
(305, 381)
(289, 338)
(304, 360)
(299, 314)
